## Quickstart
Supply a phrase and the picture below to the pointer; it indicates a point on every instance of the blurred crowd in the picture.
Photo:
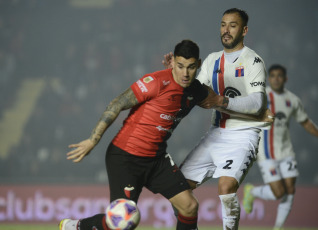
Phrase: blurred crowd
(88, 55)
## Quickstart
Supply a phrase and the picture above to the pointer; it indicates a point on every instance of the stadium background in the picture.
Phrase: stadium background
(61, 62)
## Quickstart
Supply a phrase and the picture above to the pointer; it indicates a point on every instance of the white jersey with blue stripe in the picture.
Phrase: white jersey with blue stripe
(239, 79)
(276, 143)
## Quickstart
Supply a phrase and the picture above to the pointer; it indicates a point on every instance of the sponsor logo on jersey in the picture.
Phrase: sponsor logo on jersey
(280, 115)
(257, 83)
(147, 79)
(167, 117)
(141, 86)
(239, 71)
(257, 60)
(288, 103)
(231, 92)
(160, 128)
(128, 190)
(165, 82)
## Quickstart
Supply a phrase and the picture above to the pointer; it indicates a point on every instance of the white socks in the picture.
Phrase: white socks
(230, 211)
(283, 210)
(263, 192)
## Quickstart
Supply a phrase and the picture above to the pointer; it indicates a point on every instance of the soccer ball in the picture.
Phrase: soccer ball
(122, 214)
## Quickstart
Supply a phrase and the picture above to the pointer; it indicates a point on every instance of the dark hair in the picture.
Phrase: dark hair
(187, 49)
(242, 13)
(278, 67)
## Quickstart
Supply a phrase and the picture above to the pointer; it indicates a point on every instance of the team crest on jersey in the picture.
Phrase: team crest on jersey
(273, 172)
(128, 190)
(147, 79)
(288, 103)
(239, 71)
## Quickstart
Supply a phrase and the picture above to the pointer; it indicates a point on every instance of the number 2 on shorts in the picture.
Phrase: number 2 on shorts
(228, 163)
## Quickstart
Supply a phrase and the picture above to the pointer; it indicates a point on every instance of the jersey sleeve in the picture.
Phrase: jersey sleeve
(145, 88)
(203, 76)
(200, 91)
(300, 113)
(257, 76)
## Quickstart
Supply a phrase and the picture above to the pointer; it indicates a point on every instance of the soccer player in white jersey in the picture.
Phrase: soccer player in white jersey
(276, 157)
(237, 74)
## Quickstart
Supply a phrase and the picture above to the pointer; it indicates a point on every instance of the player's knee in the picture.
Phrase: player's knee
(227, 186)
(279, 192)
(189, 208)
(291, 190)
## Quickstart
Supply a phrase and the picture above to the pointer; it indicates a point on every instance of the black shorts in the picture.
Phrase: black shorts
(128, 174)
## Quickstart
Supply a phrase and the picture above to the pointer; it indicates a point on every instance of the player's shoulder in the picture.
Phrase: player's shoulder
(268, 89)
(157, 76)
(214, 55)
(251, 56)
(291, 95)
(160, 79)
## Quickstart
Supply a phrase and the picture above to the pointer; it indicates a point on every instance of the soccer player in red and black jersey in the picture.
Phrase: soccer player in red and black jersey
(137, 156)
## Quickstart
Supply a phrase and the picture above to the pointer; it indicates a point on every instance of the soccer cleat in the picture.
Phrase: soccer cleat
(62, 224)
(68, 224)
(248, 198)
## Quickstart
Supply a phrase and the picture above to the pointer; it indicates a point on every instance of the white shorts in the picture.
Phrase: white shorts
(222, 152)
(274, 170)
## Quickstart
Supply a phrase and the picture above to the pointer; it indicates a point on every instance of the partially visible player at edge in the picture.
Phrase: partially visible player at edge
(229, 148)
(276, 157)
(137, 156)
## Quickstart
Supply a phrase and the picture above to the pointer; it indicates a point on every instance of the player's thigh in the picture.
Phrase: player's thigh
(234, 154)
(124, 174)
(198, 165)
(270, 170)
(278, 188)
(290, 184)
(166, 178)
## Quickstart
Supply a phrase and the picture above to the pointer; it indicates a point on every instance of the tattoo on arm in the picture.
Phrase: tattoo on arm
(124, 101)
(225, 103)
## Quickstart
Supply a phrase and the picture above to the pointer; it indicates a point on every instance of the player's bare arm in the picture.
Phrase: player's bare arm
(213, 100)
(124, 101)
(310, 127)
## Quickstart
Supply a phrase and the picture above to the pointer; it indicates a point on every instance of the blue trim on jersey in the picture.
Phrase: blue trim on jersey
(217, 118)
(216, 89)
(215, 76)
(267, 155)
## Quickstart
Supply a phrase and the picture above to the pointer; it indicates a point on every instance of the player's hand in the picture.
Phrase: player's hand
(167, 60)
(81, 150)
(212, 100)
(267, 116)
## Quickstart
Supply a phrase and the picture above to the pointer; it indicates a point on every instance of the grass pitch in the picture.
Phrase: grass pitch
(55, 227)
